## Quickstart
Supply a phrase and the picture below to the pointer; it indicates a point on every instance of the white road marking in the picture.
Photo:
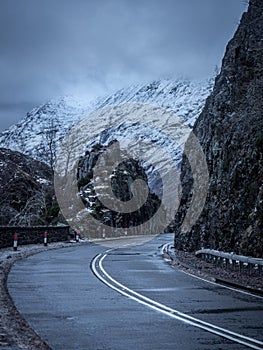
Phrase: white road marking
(101, 274)
(217, 284)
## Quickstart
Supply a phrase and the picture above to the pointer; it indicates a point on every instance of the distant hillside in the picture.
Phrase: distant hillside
(39, 132)
(26, 191)
(230, 130)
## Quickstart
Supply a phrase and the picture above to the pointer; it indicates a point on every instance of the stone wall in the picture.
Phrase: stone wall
(32, 235)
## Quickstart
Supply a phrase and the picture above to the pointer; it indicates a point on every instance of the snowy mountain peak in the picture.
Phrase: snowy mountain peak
(39, 132)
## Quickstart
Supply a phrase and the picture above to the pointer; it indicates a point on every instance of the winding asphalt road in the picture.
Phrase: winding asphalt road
(93, 297)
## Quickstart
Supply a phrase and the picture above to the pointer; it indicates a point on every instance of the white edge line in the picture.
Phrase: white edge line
(167, 310)
(218, 284)
(172, 310)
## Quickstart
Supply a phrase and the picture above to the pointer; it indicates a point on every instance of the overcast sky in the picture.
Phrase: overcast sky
(52, 48)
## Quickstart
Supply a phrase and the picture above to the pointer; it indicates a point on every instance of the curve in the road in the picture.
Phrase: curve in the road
(165, 249)
(100, 272)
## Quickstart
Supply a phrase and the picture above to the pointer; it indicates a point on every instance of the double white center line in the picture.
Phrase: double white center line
(101, 274)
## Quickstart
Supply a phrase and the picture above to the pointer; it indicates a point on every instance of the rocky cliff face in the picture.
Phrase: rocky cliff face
(26, 191)
(121, 182)
(230, 130)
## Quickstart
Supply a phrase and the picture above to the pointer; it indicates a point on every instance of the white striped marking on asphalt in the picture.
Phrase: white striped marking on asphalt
(216, 284)
(238, 338)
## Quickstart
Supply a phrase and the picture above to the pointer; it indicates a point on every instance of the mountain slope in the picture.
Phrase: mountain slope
(26, 190)
(230, 132)
(38, 134)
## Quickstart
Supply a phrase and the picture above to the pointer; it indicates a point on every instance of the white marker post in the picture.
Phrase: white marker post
(15, 242)
(77, 235)
(45, 239)
(103, 233)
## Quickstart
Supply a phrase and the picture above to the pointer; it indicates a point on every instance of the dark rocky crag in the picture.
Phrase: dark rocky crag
(230, 130)
(26, 191)
(121, 180)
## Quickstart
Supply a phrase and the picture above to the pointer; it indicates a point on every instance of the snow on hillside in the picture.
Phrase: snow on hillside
(39, 132)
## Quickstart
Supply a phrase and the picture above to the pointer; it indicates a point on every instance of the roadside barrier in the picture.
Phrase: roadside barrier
(32, 234)
(232, 261)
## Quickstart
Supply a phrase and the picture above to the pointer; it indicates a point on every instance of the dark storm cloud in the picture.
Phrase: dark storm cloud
(89, 47)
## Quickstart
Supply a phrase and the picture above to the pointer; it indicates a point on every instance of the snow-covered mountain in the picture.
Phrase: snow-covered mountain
(39, 132)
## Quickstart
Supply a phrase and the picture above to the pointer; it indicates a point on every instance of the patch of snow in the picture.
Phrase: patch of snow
(42, 181)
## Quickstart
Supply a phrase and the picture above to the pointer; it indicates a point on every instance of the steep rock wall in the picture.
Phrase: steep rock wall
(230, 130)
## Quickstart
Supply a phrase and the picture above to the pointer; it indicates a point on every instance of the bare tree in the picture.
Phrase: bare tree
(48, 147)
(31, 212)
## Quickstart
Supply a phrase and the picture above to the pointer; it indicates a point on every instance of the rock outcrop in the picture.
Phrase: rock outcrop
(230, 130)
(121, 183)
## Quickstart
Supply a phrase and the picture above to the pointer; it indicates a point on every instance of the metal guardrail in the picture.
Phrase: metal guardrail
(231, 260)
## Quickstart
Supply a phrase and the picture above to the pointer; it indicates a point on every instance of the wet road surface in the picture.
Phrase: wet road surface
(70, 308)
